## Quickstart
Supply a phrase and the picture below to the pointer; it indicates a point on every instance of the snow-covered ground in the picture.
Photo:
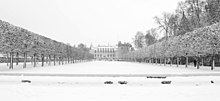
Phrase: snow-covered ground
(55, 88)
(109, 67)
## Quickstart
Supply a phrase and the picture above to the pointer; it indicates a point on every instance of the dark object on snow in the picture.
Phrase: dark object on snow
(157, 77)
(195, 63)
(122, 82)
(212, 81)
(166, 82)
(25, 81)
(108, 82)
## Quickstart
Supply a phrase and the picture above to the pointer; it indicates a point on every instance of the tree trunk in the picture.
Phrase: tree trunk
(213, 62)
(197, 62)
(171, 62)
(46, 60)
(164, 61)
(187, 60)
(17, 58)
(7, 60)
(11, 60)
(59, 60)
(32, 59)
(54, 57)
(25, 60)
(49, 60)
(73, 60)
(35, 60)
(177, 61)
(42, 60)
(202, 61)
(160, 61)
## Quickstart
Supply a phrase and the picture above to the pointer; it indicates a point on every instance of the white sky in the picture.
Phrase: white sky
(85, 21)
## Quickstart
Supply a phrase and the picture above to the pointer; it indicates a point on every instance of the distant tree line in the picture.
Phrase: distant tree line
(17, 42)
(192, 32)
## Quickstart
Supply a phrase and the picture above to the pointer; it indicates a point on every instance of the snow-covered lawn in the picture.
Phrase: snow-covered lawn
(28, 92)
(112, 67)
(55, 88)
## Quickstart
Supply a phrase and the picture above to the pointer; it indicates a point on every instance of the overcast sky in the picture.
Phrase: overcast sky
(85, 21)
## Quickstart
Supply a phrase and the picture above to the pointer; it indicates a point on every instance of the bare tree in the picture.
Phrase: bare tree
(163, 23)
(139, 40)
(151, 37)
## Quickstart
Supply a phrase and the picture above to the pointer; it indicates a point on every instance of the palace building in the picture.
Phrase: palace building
(110, 52)
(104, 52)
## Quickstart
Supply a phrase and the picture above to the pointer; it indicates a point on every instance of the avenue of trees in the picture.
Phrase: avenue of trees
(191, 33)
(20, 44)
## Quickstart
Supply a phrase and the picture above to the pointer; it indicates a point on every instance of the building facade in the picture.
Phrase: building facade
(124, 48)
(110, 52)
(104, 52)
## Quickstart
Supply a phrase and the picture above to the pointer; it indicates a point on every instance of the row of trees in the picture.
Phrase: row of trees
(191, 32)
(198, 44)
(17, 41)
